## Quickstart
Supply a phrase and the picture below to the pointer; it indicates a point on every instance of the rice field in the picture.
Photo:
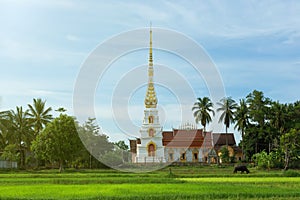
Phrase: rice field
(184, 183)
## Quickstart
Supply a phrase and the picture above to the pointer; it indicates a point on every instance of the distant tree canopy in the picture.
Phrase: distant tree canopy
(35, 139)
(265, 126)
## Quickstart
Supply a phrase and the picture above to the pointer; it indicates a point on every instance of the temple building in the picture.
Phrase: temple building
(150, 147)
(185, 144)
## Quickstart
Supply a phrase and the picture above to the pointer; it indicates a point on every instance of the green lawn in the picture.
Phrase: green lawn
(184, 183)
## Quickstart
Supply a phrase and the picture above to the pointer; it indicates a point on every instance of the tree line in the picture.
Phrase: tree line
(34, 138)
(270, 130)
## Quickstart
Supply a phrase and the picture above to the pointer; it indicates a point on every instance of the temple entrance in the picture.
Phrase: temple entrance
(151, 150)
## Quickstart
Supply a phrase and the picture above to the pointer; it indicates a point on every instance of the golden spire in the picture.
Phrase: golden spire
(150, 99)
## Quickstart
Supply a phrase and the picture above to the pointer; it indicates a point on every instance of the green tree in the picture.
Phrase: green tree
(96, 143)
(121, 145)
(260, 134)
(242, 120)
(123, 149)
(225, 157)
(290, 144)
(258, 107)
(263, 160)
(10, 153)
(227, 108)
(112, 158)
(21, 128)
(39, 114)
(278, 116)
(202, 109)
(58, 142)
(278, 119)
(4, 127)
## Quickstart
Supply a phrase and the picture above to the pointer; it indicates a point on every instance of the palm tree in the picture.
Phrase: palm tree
(21, 129)
(227, 107)
(258, 107)
(203, 108)
(278, 118)
(4, 123)
(242, 119)
(39, 115)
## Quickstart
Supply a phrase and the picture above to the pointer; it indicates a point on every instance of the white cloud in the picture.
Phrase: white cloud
(72, 37)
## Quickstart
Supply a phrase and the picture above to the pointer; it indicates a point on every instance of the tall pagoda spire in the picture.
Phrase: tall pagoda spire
(150, 99)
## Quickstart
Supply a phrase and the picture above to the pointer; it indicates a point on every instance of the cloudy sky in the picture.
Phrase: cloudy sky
(45, 44)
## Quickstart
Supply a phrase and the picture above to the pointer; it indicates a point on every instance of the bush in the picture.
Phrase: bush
(225, 155)
(291, 173)
(262, 160)
(112, 158)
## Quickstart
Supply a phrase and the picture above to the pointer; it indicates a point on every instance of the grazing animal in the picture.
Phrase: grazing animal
(242, 169)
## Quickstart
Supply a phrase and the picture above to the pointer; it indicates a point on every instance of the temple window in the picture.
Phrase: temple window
(151, 132)
(151, 150)
(150, 119)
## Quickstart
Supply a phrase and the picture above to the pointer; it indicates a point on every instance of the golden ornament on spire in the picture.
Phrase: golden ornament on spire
(150, 99)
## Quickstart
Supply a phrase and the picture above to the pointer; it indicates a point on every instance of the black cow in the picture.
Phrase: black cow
(242, 169)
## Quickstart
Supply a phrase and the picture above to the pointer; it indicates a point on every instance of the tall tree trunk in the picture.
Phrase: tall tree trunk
(286, 159)
(204, 133)
(226, 138)
(243, 155)
(61, 168)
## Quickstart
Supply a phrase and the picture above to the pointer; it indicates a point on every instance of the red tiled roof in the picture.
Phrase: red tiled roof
(183, 138)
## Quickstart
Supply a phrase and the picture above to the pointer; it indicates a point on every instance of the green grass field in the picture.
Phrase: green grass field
(185, 183)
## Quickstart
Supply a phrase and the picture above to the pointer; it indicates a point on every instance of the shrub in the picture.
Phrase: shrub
(225, 155)
(291, 173)
(262, 160)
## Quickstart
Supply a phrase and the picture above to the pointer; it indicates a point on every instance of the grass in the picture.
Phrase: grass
(185, 183)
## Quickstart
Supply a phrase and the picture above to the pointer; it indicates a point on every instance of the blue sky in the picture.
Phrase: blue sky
(43, 44)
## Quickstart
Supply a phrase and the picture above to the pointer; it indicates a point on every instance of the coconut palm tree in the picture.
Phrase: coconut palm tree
(39, 115)
(202, 109)
(242, 119)
(278, 118)
(21, 131)
(227, 107)
(4, 123)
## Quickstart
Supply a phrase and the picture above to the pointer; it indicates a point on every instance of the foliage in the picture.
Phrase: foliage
(227, 106)
(58, 141)
(202, 109)
(241, 117)
(95, 144)
(22, 133)
(262, 160)
(290, 145)
(10, 153)
(225, 154)
(112, 158)
(39, 115)
(121, 145)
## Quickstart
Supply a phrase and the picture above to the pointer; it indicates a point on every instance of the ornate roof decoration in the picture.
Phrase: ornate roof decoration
(150, 99)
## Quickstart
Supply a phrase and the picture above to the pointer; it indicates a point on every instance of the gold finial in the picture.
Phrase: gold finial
(150, 48)
(150, 99)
